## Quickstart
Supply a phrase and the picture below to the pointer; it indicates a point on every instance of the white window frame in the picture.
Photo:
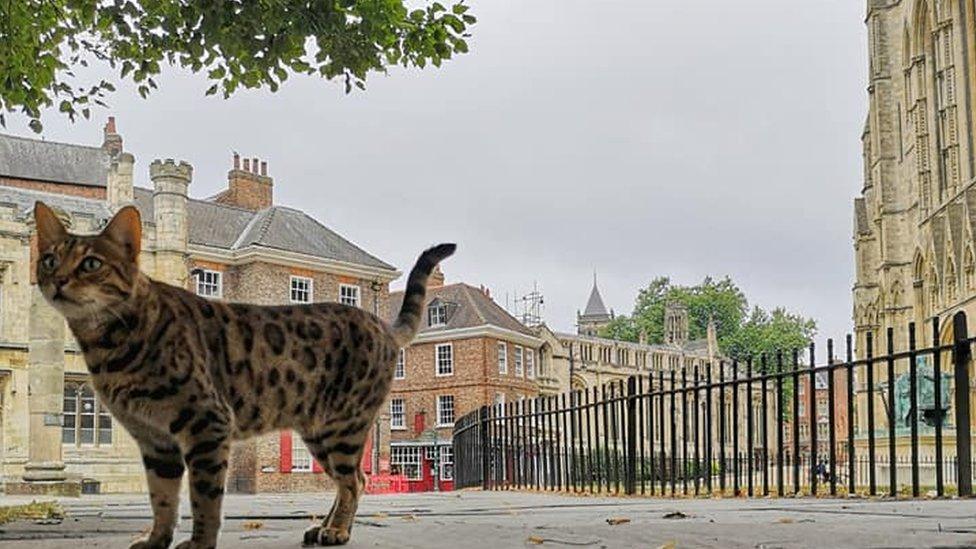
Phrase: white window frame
(299, 453)
(217, 283)
(402, 424)
(446, 457)
(450, 360)
(519, 369)
(100, 417)
(400, 370)
(308, 290)
(529, 363)
(346, 300)
(441, 408)
(502, 358)
(438, 311)
(403, 456)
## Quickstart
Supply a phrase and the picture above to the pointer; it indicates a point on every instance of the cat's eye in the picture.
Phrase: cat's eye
(91, 264)
(49, 262)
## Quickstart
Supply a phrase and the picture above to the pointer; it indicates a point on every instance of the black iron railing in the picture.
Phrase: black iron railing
(741, 429)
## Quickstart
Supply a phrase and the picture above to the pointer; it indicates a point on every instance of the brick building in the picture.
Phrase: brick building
(239, 245)
(469, 353)
(822, 396)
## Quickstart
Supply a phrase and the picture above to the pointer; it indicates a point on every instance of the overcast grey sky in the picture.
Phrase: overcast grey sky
(638, 138)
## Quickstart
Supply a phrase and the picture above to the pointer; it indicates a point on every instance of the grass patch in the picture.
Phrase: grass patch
(31, 511)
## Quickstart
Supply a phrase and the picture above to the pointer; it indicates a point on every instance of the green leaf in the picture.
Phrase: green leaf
(35, 125)
(233, 44)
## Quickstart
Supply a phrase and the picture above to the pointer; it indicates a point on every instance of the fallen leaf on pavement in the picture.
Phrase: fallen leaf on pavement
(536, 540)
(675, 515)
(786, 520)
(253, 525)
(409, 517)
(617, 520)
(380, 516)
(667, 545)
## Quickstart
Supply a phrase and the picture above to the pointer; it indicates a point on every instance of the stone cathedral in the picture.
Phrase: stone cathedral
(915, 220)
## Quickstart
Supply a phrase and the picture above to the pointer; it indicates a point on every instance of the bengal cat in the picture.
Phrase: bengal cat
(186, 375)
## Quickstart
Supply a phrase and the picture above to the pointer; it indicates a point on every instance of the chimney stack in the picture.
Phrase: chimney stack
(248, 185)
(112, 141)
(436, 279)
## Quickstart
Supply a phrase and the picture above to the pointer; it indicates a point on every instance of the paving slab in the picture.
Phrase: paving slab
(475, 519)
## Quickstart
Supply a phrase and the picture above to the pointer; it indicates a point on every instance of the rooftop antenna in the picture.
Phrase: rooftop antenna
(528, 308)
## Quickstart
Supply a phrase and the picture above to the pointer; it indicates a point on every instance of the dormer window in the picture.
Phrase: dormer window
(437, 314)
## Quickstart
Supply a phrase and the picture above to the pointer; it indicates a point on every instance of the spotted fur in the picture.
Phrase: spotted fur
(186, 376)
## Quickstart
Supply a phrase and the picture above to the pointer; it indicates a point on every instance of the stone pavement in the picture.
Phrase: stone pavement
(473, 519)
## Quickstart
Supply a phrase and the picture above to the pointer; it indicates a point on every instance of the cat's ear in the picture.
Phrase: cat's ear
(125, 229)
(50, 231)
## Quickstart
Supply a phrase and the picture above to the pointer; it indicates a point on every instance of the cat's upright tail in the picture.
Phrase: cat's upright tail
(408, 321)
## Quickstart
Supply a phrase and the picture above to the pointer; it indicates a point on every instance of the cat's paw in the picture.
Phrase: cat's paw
(320, 535)
(149, 542)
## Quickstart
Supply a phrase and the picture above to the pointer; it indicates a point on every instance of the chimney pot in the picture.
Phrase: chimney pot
(254, 165)
(237, 161)
(247, 164)
(264, 168)
(110, 125)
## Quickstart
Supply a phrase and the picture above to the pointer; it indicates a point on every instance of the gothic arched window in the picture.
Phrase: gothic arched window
(950, 281)
(930, 93)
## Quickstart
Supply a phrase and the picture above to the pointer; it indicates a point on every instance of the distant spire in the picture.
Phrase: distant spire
(594, 305)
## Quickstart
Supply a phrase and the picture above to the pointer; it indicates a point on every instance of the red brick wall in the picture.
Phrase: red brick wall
(247, 190)
(267, 284)
(84, 191)
(840, 410)
(474, 383)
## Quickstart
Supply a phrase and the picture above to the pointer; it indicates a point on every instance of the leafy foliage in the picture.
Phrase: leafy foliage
(768, 332)
(237, 43)
(741, 332)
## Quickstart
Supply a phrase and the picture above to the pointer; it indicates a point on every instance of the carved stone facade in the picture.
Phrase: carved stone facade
(915, 221)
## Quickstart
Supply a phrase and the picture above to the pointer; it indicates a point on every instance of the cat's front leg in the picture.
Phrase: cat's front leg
(164, 472)
(206, 460)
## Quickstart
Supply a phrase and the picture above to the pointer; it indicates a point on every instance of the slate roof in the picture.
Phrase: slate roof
(468, 307)
(23, 200)
(210, 224)
(277, 227)
(24, 158)
(594, 306)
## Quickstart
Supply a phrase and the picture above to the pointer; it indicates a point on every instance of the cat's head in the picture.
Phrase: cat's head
(85, 276)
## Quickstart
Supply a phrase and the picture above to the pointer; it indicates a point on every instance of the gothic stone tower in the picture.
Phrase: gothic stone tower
(595, 316)
(676, 324)
(915, 221)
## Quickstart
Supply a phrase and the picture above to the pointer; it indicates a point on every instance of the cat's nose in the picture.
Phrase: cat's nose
(60, 282)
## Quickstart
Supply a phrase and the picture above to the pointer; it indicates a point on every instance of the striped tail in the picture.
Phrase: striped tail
(408, 321)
